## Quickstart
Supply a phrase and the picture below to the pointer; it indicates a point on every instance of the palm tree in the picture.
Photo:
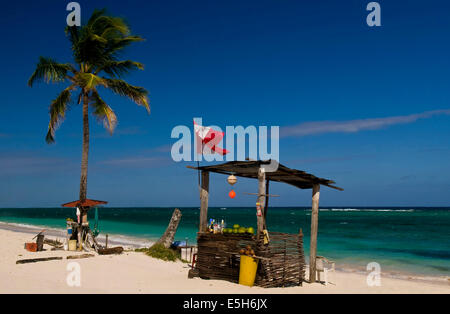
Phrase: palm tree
(95, 47)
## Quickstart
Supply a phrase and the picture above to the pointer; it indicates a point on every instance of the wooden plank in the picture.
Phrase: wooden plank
(204, 195)
(266, 195)
(266, 205)
(35, 260)
(261, 200)
(80, 256)
(314, 229)
(109, 251)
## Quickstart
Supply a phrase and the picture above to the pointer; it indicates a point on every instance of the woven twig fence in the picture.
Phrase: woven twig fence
(282, 263)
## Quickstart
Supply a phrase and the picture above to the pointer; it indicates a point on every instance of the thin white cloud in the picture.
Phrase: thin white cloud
(137, 162)
(353, 126)
(162, 149)
(119, 131)
(29, 163)
(326, 159)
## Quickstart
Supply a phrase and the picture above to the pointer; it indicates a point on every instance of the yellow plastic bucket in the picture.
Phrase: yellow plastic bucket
(72, 245)
(247, 271)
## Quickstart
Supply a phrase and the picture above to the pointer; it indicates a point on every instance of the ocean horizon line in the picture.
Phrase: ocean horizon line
(238, 206)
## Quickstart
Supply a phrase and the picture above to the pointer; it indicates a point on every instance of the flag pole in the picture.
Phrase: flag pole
(198, 173)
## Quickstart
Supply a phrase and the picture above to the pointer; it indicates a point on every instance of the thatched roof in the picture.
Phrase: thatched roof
(249, 169)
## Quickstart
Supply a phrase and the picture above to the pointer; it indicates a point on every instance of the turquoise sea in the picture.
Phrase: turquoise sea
(408, 240)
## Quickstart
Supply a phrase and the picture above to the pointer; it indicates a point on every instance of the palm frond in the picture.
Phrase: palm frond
(94, 47)
(88, 81)
(108, 26)
(50, 71)
(117, 44)
(135, 93)
(95, 15)
(89, 49)
(119, 68)
(103, 112)
(57, 112)
(99, 39)
(103, 24)
(73, 33)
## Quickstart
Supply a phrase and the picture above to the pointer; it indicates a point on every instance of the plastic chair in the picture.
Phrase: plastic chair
(325, 266)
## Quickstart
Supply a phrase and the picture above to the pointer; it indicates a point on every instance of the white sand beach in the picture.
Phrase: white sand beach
(133, 272)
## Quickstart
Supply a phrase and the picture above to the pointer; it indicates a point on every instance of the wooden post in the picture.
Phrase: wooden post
(84, 216)
(266, 205)
(168, 236)
(83, 226)
(261, 200)
(314, 228)
(106, 244)
(80, 240)
(204, 194)
(301, 258)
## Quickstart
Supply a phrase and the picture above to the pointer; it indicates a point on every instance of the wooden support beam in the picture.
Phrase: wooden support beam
(271, 195)
(79, 233)
(314, 228)
(204, 195)
(266, 205)
(261, 200)
(84, 215)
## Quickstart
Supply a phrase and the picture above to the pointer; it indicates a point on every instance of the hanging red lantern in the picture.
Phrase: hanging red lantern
(232, 194)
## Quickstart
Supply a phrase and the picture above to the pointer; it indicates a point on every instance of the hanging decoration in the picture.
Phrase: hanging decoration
(231, 181)
(258, 209)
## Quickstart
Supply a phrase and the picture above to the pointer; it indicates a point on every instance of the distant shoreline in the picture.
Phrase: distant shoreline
(113, 239)
(237, 206)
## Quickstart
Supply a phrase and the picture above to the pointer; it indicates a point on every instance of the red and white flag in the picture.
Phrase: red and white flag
(208, 137)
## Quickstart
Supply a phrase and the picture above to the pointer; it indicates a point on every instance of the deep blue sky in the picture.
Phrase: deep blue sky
(286, 63)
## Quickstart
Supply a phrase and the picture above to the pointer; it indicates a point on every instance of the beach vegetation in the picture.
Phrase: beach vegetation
(159, 251)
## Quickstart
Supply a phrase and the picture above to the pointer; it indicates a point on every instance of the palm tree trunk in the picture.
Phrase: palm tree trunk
(84, 156)
(169, 235)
